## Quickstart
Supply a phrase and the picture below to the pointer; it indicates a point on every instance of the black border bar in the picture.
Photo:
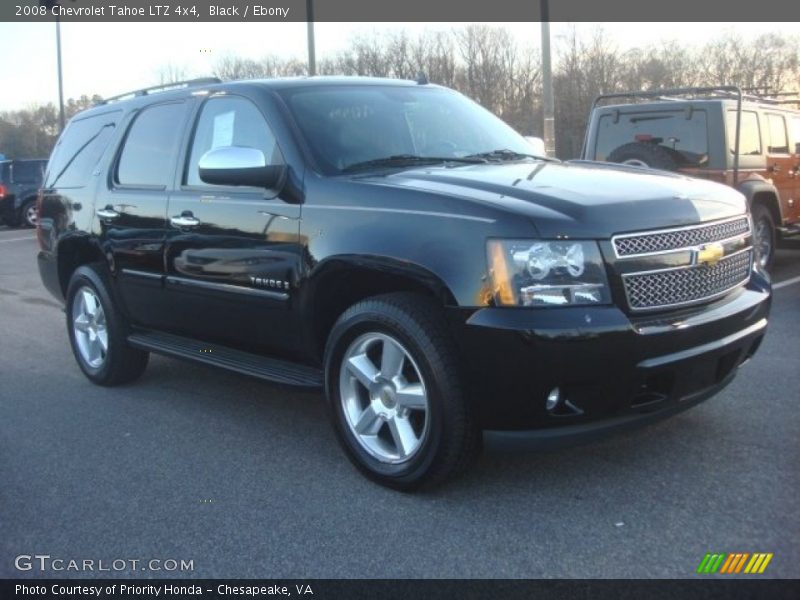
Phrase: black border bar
(384, 589)
(405, 10)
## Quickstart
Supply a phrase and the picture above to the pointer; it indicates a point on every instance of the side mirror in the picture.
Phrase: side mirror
(239, 165)
(537, 144)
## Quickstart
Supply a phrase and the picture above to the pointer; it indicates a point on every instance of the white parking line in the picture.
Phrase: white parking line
(30, 237)
(786, 283)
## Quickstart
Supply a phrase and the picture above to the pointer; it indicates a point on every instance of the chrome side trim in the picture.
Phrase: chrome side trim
(226, 287)
(142, 274)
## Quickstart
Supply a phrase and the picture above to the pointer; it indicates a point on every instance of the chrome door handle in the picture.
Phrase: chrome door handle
(107, 213)
(185, 219)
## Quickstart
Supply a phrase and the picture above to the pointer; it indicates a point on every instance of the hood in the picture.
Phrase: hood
(579, 199)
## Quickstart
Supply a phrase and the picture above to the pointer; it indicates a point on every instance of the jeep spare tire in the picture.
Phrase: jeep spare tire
(644, 154)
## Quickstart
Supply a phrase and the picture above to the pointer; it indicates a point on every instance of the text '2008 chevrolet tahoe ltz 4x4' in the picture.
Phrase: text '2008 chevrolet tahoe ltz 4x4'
(394, 244)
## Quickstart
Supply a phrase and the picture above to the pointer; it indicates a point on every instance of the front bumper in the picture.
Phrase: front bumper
(612, 370)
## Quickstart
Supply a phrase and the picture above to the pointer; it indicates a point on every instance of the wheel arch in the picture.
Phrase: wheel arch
(762, 192)
(74, 252)
(339, 282)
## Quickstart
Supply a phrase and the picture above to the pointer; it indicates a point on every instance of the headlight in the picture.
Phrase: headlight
(547, 273)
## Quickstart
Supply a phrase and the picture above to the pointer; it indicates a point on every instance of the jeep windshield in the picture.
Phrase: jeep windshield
(355, 128)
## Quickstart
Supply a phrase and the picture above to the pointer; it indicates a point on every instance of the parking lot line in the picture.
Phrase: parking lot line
(786, 283)
(19, 239)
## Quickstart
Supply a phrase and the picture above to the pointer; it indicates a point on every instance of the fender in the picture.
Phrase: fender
(340, 280)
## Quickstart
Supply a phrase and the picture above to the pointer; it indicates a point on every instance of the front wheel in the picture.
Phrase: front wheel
(28, 215)
(763, 235)
(394, 392)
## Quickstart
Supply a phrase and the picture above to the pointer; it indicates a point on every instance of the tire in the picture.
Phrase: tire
(28, 215)
(90, 303)
(644, 154)
(764, 236)
(403, 446)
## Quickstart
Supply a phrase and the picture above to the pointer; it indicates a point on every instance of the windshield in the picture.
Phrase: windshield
(349, 125)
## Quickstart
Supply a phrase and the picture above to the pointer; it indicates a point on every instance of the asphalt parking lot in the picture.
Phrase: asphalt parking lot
(246, 479)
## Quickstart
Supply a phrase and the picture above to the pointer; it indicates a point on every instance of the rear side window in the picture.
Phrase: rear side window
(28, 172)
(749, 133)
(776, 129)
(79, 149)
(150, 148)
(688, 137)
(796, 134)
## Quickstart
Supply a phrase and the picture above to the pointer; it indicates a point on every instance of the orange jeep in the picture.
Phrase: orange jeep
(750, 142)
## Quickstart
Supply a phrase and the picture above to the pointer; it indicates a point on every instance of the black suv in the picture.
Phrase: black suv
(20, 181)
(394, 244)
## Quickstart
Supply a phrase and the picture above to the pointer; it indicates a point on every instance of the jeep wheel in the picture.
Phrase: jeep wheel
(394, 392)
(644, 154)
(97, 331)
(763, 235)
(28, 215)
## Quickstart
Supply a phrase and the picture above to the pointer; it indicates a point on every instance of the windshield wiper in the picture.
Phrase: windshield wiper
(506, 154)
(401, 160)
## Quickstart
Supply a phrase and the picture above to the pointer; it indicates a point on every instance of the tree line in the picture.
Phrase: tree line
(489, 65)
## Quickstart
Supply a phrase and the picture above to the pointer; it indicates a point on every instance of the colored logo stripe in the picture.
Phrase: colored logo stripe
(735, 562)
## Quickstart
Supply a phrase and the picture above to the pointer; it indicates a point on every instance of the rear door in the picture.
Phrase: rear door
(131, 210)
(232, 253)
(794, 141)
(781, 162)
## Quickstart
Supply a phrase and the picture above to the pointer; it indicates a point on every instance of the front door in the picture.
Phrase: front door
(232, 253)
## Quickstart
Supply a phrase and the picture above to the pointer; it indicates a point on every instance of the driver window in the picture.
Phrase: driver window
(229, 121)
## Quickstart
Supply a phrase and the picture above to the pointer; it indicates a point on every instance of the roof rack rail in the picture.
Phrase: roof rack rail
(177, 85)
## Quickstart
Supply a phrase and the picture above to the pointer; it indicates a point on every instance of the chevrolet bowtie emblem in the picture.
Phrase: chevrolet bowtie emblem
(710, 254)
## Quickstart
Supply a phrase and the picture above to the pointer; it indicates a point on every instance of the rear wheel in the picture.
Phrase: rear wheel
(394, 392)
(763, 235)
(98, 331)
(28, 215)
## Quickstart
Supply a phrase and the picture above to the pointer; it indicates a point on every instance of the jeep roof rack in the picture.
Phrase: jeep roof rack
(165, 87)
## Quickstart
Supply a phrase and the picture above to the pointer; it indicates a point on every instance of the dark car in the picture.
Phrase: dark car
(20, 181)
(394, 244)
(749, 142)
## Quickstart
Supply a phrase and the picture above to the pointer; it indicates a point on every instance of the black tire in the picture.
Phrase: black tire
(121, 363)
(644, 154)
(451, 440)
(27, 213)
(764, 235)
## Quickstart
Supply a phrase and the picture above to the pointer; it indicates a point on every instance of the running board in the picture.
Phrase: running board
(271, 369)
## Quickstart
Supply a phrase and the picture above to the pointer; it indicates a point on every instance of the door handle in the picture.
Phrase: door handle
(774, 169)
(185, 219)
(107, 213)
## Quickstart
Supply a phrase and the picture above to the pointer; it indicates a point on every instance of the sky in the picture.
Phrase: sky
(113, 58)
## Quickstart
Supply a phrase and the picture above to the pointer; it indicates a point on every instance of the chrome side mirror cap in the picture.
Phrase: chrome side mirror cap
(239, 165)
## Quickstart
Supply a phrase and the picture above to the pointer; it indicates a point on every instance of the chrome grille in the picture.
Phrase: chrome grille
(673, 239)
(687, 285)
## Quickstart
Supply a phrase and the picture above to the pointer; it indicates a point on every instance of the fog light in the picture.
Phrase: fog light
(553, 399)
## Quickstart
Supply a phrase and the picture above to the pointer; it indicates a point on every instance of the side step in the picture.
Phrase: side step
(270, 369)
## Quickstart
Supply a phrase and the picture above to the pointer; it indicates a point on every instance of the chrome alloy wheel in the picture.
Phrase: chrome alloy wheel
(89, 327)
(762, 241)
(31, 216)
(383, 397)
